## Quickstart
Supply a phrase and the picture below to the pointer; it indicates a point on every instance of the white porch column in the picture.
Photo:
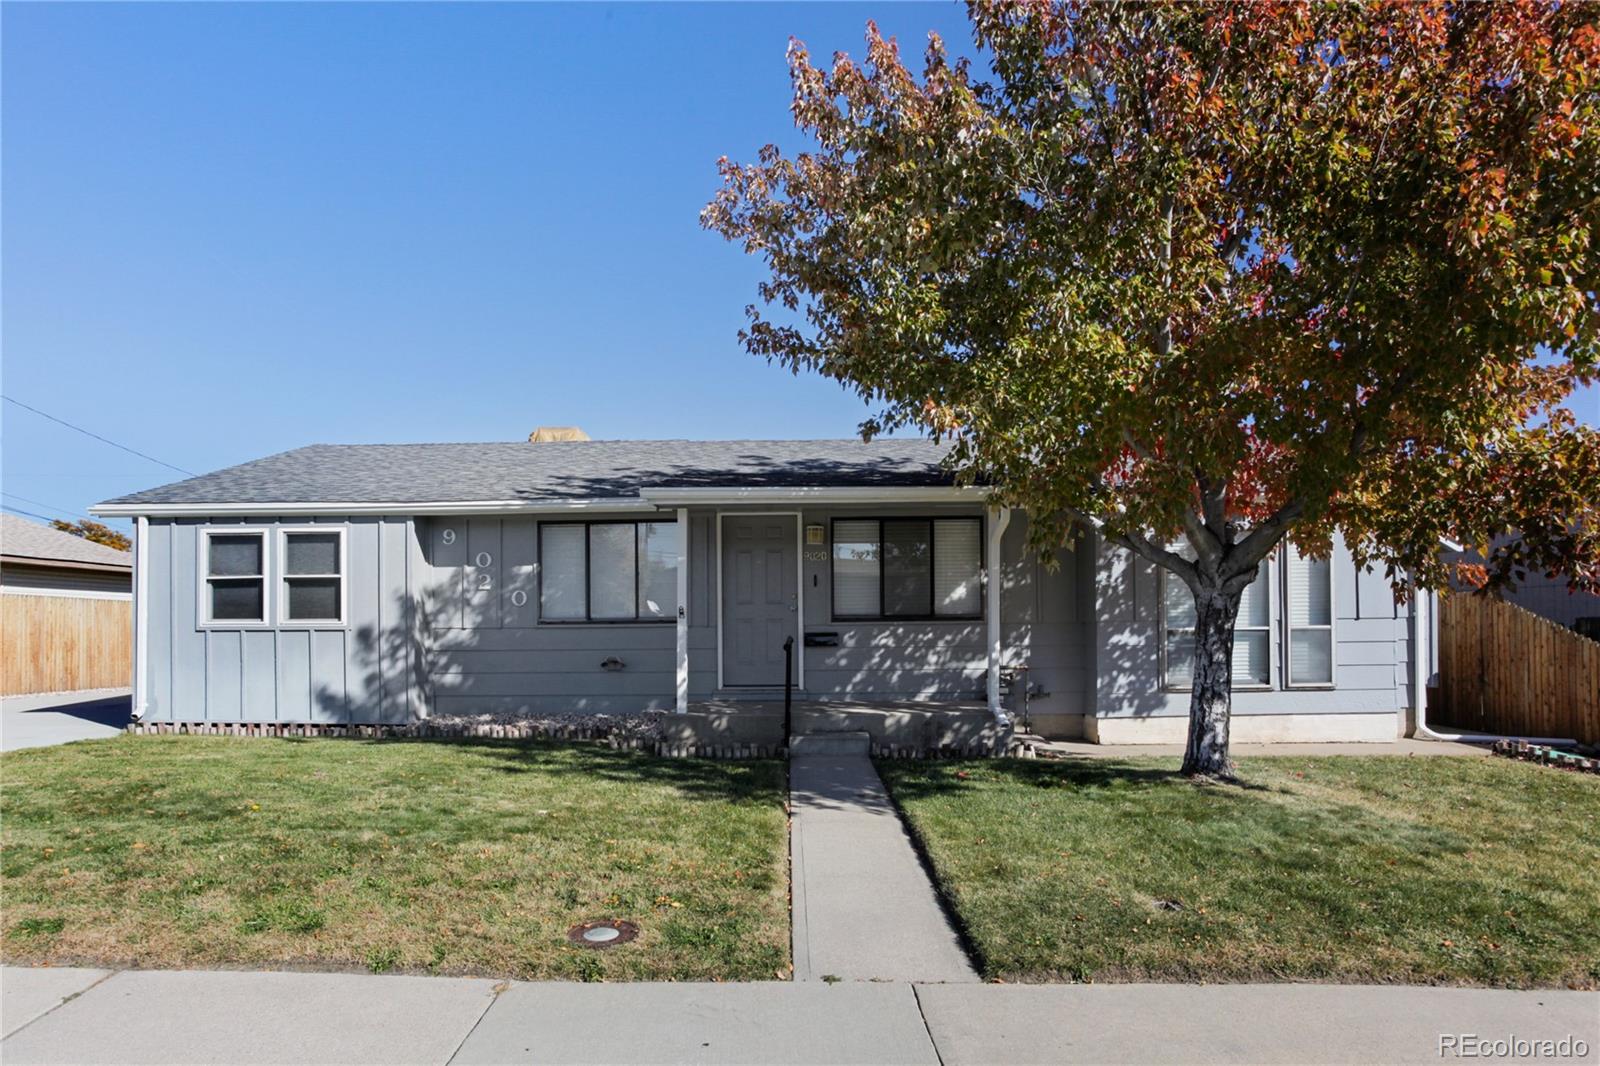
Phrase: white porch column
(141, 616)
(683, 611)
(999, 518)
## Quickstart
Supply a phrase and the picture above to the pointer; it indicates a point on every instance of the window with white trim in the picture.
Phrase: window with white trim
(608, 571)
(907, 568)
(313, 576)
(235, 577)
(1307, 620)
(1252, 633)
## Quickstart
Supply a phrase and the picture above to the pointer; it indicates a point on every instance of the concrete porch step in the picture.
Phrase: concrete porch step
(832, 743)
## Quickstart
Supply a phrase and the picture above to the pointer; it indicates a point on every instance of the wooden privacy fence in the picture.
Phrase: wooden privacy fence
(1505, 670)
(60, 643)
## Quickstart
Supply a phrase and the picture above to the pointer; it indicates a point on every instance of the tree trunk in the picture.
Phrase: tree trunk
(1211, 701)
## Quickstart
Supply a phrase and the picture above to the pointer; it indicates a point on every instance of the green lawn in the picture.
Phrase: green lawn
(1423, 870)
(424, 856)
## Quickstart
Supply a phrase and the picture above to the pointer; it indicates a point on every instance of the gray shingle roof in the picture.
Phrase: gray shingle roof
(451, 473)
(20, 537)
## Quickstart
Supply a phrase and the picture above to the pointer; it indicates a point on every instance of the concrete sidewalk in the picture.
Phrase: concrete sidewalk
(863, 907)
(57, 1016)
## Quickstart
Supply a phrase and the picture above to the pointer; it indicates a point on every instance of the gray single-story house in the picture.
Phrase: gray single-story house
(390, 583)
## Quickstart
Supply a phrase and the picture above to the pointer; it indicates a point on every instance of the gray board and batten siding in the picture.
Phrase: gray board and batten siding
(422, 636)
(364, 670)
(442, 610)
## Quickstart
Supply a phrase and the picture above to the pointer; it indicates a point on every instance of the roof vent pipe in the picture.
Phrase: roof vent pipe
(545, 434)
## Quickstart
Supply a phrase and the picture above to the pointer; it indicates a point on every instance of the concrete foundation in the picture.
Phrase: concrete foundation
(920, 725)
(1251, 729)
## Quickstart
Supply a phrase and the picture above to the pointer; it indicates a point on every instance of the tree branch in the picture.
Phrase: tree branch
(1147, 549)
(1249, 552)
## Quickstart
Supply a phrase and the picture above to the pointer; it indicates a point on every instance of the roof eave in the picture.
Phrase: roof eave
(648, 498)
(335, 507)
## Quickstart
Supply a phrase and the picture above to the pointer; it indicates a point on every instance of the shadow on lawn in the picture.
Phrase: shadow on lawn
(756, 780)
(1079, 775)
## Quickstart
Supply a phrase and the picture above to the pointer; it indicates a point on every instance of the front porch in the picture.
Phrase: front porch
(921, 726)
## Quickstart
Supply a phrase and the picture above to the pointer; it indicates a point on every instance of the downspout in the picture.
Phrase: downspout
(141, 616)
(1000, 518)
(1421, 608)
(681, 701)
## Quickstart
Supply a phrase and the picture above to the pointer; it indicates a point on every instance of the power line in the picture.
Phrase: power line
(47, 506)
(98, 437)
(30, 514)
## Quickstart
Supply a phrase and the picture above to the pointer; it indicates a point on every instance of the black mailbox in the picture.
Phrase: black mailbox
(822, 640)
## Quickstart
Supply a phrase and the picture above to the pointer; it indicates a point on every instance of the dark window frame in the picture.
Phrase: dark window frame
(588, 575)
(835, 616)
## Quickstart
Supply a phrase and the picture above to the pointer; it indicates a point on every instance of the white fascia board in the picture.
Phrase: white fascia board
(465, 507)
(735, 494)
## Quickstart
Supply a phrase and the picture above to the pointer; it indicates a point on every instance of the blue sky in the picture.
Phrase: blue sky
(234, 230)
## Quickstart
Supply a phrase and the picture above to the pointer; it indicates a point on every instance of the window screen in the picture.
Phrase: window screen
(313, 585)
(235, 577)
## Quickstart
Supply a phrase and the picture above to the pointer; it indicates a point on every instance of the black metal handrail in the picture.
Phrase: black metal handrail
(788, 685)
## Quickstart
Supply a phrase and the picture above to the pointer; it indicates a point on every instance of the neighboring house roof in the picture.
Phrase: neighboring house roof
(22, 541)
(551, 471)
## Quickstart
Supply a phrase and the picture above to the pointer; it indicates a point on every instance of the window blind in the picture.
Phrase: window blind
(957, 566)
(562, 593)
(1309, 619)
(855, 569)
(1252, 637)
(1310, 592)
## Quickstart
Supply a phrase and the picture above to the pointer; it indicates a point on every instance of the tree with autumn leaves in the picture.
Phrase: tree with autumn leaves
(1215, 274)
(96, 532)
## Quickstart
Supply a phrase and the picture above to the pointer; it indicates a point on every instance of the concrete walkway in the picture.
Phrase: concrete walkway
(58, 1016)
(62, 717)
(863, 907)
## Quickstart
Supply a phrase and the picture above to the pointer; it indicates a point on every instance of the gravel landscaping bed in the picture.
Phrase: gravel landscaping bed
(646, 725)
